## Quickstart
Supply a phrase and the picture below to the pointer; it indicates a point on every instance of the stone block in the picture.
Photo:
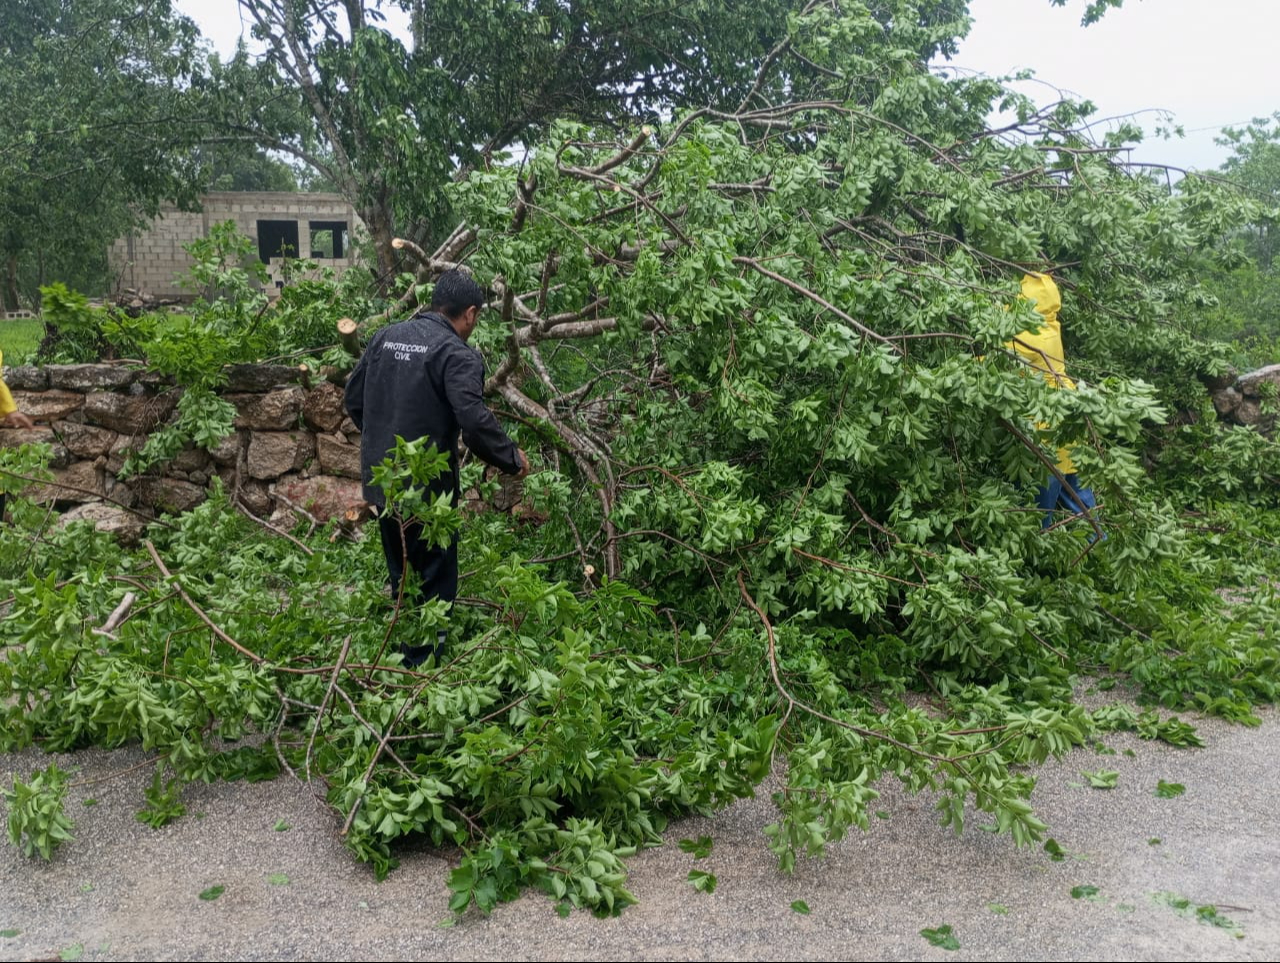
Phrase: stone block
(125, 492)
(86, 377)
(256, 496)
(338, 457)
(129, 414)
(17, 437)
(227, 451)
(277, 410)
(275, 453)
(510, 493)
(79, 482)
(85, 441)
(1226, 401)
(260, 377)
(191, 459)
(323, 496)
(1250, 385)
(126, 526)
(171, 495)
(323, 409)
(48, 405)
(1248, 412)
(121, 449)
(26, 378)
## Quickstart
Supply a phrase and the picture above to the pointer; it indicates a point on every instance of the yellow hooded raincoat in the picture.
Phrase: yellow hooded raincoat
(1043, 350)
(6, 399)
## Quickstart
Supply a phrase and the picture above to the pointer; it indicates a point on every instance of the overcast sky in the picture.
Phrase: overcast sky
(1207, 62)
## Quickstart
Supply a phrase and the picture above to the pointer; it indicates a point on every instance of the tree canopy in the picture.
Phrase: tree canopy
(95, 130)
(391, 123)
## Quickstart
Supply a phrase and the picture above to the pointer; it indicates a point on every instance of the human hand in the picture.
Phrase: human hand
(16, 419)
(524, 464)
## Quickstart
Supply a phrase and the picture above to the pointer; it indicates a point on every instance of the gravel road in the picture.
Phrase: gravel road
(124, 891)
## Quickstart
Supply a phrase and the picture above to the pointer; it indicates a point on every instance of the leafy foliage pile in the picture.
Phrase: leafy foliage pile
(785, 520)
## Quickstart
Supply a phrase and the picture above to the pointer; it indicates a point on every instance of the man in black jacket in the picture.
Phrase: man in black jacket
(416, 379)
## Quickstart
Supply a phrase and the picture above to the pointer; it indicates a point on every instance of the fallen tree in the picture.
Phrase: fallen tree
(788, 468)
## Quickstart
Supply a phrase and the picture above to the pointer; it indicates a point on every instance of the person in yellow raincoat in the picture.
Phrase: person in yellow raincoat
(1042, 350)
(10, 417)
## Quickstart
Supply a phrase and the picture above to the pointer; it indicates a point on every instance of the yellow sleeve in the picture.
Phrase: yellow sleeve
(6, 400)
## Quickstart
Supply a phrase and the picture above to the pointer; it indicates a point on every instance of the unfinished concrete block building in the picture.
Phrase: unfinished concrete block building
(282, 224)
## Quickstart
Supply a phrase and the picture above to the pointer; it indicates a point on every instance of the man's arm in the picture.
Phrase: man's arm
(464, 387)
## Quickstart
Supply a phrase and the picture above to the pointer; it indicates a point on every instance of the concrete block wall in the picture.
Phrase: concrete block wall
(154, 260)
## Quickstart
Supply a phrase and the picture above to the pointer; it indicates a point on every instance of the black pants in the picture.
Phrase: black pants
(436, 569)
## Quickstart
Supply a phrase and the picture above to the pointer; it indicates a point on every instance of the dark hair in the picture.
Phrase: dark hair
(454, 293)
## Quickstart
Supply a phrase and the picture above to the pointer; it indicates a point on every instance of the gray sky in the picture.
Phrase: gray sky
(1207, 62)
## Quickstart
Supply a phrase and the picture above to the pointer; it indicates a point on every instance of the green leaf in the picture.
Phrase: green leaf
(89, 802)
(1083, 892)
(1102, 779)
(800, 906)
(1055, 851)
(998, 908)
(1208, 913)
(9, 934)
(563, 909)
(700, 847)
(282, 826)
(1169, 790)
(212, 893)
(941, 937)
(163, 800)
(73, 952)
(702, 882)
(277, 879)
(882, 814)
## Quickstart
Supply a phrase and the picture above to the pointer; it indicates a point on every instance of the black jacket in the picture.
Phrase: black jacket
(419, 379)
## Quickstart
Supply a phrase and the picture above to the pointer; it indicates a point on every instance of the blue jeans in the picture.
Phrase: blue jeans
(1051, 497)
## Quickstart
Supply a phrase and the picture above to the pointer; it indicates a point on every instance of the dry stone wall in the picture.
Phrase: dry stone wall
(294, 449)
(1240, 399)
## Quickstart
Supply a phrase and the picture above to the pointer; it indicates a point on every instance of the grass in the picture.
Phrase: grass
(19, 339)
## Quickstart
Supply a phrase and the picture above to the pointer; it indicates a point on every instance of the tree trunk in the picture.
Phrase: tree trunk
(11, 283)
(418, 25)
(377, 219)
